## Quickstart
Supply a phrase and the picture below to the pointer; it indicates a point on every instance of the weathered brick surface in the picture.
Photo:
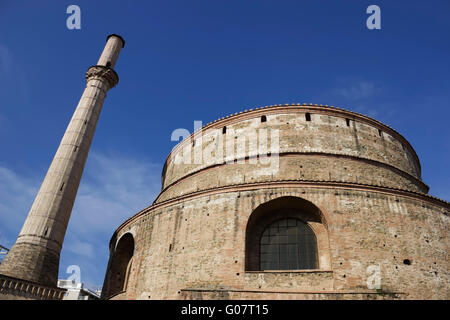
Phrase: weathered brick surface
(207, 235)
(325, 133)
(375, 212)
(298, 167)
(32, 263)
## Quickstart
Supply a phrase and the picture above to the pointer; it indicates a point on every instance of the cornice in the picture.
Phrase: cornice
(284, 154)
(316, 184)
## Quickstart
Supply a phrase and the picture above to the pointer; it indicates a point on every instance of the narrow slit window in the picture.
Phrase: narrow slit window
(308, 116)
(348, 122)
(224, 130)
(62, 186)
(380, 133)
(263, 119)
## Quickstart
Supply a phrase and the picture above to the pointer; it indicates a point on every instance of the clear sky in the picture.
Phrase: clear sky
(202, 60)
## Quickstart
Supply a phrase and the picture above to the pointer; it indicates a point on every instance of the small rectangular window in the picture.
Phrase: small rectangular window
(348, 122)
(224, 130)
(308, 117)
(263, 119)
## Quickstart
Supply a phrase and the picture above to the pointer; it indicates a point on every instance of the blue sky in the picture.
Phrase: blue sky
(201, 60)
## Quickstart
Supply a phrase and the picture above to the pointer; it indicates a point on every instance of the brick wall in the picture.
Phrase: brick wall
(364, 179)
(206, 237)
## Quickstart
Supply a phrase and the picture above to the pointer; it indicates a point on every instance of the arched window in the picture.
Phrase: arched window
(287, 233)
(118, 272)
(288, 244)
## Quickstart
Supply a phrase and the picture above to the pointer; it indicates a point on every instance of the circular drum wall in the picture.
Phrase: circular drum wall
(334, 208)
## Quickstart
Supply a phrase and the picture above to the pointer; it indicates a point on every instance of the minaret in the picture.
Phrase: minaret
(35, 255)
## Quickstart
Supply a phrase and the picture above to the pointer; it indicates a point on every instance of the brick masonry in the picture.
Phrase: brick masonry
(363, 178)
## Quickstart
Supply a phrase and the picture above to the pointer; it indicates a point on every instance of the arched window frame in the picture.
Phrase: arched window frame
(280, 208)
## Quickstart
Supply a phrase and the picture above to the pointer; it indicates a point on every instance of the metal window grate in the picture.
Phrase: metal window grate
(288, 244)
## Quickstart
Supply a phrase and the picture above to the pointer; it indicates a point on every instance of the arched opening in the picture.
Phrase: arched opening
(120, 265)
(287, 233)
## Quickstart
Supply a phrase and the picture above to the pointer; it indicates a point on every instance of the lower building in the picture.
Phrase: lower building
(77, 291)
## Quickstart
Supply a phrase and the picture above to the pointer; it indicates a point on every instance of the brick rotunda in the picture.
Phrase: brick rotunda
(322, 203)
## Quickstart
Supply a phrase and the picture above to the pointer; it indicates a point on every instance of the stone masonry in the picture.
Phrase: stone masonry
(35, 255)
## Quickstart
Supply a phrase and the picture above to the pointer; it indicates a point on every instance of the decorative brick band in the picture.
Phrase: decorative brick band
(294, 108)
(289, 184)
(336, 155)
(17, 289)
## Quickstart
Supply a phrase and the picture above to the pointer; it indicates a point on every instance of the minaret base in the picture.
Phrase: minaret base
(33, 263)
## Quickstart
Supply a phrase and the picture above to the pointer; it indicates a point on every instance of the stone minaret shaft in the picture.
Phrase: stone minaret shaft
(35, 255)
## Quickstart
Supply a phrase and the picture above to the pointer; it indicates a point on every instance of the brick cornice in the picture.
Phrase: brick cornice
(293, 108)
(325, 154)
(316, 184)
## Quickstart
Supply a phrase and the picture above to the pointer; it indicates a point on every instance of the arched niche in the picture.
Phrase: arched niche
(283, 209)
(120, 265)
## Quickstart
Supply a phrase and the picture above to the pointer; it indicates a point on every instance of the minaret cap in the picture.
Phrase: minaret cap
(116, 35)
